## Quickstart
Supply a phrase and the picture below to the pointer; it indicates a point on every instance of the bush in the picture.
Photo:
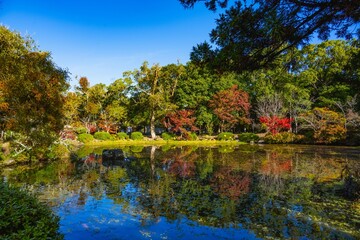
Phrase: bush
(136, 136)
(167, 136)
(23, 217)
(193, 136)
(284, 137)
(57, 151)
(103, 136)
(81, 130)
(225, 136)
(248, 137)
(85, 137)
(122, 136)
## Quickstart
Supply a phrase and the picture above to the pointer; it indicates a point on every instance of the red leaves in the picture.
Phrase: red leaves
(275, 124)
(180, 120)
(231, 106)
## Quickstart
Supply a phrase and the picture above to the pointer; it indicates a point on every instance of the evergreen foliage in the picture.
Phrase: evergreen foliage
(102, 136)
(136, 136)
(23, 217)
(85, 137)
(122, 136)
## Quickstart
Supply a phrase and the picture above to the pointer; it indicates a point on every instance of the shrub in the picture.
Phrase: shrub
(81, 130)
(85, 137)
(103, 136)
(225, 136)
(122, 136)
(284, 137)
(276, 124)
(167, 136)
(193, 136)
(248, 137)
(57, 151)
(136, 136)
(23, 217)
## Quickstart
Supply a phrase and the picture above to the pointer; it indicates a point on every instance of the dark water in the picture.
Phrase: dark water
(247, 192)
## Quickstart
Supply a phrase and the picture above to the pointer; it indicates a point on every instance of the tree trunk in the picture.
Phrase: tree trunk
(152, 125)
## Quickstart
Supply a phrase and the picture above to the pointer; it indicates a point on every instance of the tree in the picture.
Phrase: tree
(323, 66)
(92, 103)
(275, 124)
(269, 106)
(115, 105)
(252, 34)
(154, 91)
(32, 92)
(71, 108)
(231, 107)
(181, 121)
(327, 126)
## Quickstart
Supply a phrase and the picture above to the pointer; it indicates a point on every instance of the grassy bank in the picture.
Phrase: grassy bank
(162, 142)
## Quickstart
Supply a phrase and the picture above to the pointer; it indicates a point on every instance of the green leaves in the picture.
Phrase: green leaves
(23, 217)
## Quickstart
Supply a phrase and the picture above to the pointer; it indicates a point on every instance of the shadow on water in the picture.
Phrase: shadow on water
(247, 192)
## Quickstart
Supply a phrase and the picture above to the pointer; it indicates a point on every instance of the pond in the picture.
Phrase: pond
(244, 192)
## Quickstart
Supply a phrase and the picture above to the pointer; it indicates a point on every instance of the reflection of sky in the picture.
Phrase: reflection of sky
(102, 219)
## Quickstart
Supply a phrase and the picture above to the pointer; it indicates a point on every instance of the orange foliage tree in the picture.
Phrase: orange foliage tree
(231, 106)
(327, 126)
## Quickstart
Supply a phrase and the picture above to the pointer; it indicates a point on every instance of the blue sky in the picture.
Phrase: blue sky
(102, 39)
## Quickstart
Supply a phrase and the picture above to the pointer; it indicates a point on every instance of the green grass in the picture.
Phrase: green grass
(162, 142)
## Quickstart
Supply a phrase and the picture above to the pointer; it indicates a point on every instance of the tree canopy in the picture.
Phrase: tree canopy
(31, 92)
(252, 34)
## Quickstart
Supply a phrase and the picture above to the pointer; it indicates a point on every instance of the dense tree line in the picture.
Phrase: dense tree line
(287, 88)
(311, 91)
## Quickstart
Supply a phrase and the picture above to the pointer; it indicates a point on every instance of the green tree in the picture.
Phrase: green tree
(154, 91)
(71, 108)
(322, 65)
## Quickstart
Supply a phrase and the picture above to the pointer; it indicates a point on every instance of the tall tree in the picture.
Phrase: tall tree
(154, 90)
(32, 92)
(323, 65)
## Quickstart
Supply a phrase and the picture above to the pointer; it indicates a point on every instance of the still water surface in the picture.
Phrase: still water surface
(245, 192)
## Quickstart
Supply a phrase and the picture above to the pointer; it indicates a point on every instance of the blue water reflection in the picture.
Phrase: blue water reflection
(246, 192)
(103, 219)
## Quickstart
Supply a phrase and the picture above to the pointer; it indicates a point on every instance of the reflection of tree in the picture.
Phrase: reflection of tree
(290, 212)
(294, 192)
(91, 161)
(275, 166)
(181, 163)
(273, 169)
(230, 183)
(205, 163)
(351, 176)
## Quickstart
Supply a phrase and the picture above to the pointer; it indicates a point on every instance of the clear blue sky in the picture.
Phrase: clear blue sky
(102, 39)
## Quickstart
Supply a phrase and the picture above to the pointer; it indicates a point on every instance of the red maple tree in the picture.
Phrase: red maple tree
(276, 124)
(180, 121)
(231, 106)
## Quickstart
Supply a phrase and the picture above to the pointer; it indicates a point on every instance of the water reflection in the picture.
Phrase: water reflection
(247, 192)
